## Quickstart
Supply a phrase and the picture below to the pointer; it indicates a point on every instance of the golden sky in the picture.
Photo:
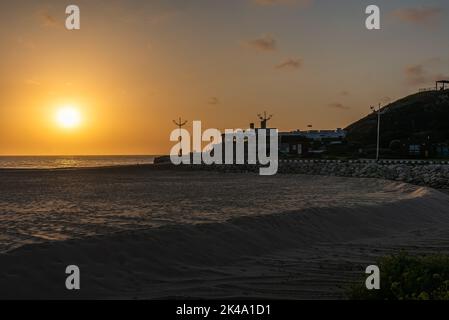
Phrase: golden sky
(136, 65)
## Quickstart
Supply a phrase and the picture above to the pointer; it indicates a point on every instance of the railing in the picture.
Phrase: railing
(427, 89)
(391, 161)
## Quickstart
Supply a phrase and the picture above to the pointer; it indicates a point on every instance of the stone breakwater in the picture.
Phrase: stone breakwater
(424, 173)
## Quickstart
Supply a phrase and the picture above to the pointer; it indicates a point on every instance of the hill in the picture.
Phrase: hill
(418, 118)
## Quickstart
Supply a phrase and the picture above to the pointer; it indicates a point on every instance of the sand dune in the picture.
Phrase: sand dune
(259, 237)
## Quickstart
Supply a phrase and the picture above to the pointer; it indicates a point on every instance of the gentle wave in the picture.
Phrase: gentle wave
(57, 162)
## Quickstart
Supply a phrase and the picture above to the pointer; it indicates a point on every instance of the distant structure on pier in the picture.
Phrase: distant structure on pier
(441, 84)
(290, 144)
(264, 119)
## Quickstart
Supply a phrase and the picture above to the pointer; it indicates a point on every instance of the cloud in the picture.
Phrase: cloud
(421, 16)
(282, 2)
(266, 43)
(440, 76)
(435, 61)
(213, 101)
(345, 93)
(156, 19)
(338, 105)
(418, 75)
(46, 19)
(290, 64)
(415, 74)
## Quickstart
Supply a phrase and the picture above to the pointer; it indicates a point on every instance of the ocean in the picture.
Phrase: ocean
(57, 162)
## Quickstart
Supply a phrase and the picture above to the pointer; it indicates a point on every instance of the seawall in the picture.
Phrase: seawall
(433, 174)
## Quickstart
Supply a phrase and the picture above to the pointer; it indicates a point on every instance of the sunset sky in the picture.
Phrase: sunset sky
(137, 64)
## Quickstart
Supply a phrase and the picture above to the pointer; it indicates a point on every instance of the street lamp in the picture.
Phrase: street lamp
(379, 113)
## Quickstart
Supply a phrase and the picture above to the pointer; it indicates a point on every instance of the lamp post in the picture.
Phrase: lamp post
(379, 113)
(180, 124)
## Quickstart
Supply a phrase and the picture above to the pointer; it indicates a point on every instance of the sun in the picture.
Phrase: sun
(68, 117)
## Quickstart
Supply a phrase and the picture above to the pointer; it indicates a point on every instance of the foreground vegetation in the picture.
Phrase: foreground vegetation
(407, 277)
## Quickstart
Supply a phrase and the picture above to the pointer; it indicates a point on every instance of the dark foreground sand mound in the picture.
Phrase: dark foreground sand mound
(310, 252)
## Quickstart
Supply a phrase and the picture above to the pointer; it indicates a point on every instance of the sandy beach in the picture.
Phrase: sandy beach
(147, 233)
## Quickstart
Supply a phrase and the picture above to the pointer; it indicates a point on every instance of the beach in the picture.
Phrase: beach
(145, 232)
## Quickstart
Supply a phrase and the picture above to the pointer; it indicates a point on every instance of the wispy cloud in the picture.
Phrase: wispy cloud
(345, 93)
(338, 105)
(290, 64)
(425, 16)
(156, 18)
(47, 20)
(439, 76)
(417, 74)
(282, 2)
(213, 101)
(265, 43)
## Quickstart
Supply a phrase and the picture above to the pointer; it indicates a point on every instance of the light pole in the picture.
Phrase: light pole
(180, 124)
(379, 113)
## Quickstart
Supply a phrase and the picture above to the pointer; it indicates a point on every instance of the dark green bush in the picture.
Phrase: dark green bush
(406, 277)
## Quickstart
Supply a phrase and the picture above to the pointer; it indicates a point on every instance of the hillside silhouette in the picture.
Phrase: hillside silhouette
(420, 117)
